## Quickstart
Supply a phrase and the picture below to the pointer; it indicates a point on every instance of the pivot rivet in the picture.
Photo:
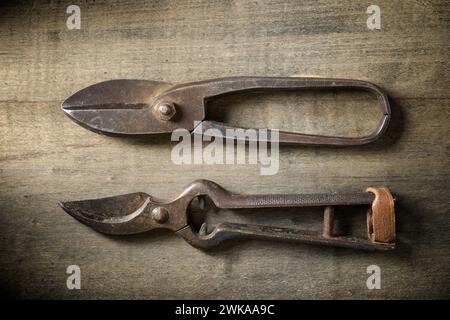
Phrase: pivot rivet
(160, 214)
(165, 110)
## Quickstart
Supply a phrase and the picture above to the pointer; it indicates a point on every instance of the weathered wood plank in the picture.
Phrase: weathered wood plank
(45, 158)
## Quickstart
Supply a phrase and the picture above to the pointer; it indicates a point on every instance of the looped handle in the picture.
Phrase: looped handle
(220, 87)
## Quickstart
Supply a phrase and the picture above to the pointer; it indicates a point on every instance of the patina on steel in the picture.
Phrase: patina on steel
(138, 212)
(142, 107)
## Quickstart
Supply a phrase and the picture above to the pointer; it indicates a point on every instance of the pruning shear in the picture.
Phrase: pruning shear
(139, 212)
(144, 107)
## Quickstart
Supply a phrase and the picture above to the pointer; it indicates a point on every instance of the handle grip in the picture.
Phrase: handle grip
(219, 87)
(380, 218)
(224, 199)
(228, 231)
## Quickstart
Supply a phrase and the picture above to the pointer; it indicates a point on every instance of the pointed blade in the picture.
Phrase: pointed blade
(125, 214)
(118, 107)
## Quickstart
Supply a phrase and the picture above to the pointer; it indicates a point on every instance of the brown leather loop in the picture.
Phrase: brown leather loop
(381, 218)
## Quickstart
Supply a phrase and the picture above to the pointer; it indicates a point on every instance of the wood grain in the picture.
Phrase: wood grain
(45, 157)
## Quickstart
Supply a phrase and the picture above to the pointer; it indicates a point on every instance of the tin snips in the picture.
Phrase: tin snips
(142, 107)
(139, 212)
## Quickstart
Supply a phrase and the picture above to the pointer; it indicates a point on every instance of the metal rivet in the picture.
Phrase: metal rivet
(160, 214)
(165, 110)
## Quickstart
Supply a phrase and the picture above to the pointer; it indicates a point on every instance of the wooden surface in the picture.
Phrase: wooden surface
(45, 157)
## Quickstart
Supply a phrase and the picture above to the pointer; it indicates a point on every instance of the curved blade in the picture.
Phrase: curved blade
(118, 107)
(125, 214)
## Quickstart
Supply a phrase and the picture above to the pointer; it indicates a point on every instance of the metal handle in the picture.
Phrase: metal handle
(220, 87)
(227, 231)
(224, 199)
(380, 218)
(294, 200)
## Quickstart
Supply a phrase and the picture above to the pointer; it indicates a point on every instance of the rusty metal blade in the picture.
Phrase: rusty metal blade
(124, 214)
(117, 107)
